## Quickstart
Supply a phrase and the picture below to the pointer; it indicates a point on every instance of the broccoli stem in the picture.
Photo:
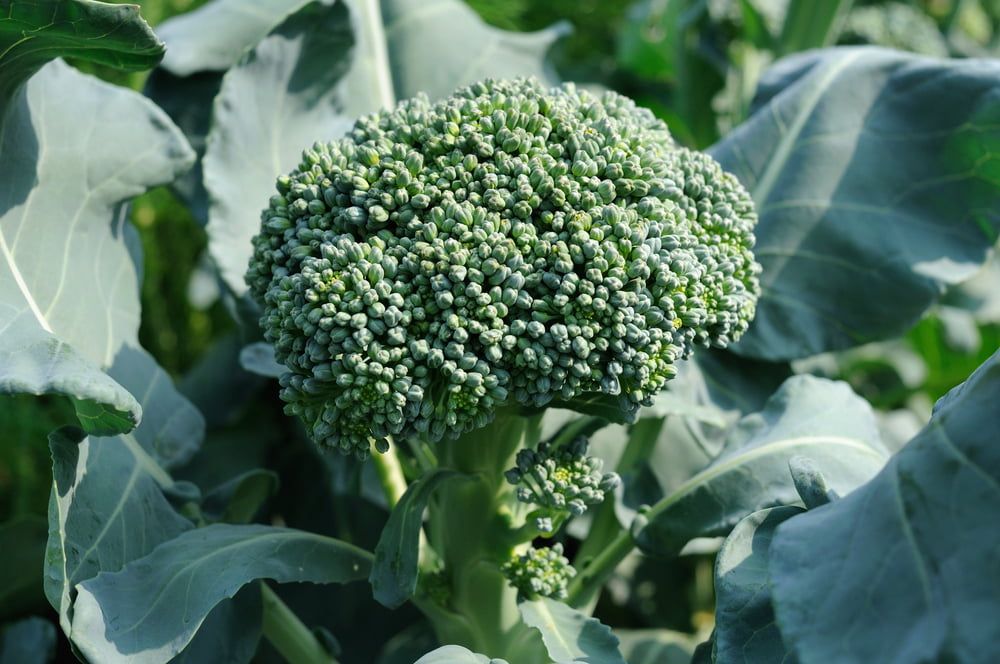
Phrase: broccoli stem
(469, 524)
(390, 474)
(289, 636)
(607, 543)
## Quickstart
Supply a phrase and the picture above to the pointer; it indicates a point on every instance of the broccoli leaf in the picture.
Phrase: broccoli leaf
(745, 630)
(147, 610)
(314, 74)
(37, 31)
(808, 416)
(570, 637)
(394, 574)
(875, 191)
(69, 261)
(201, 45)
(904, 568)
(456, 655)
(662, 646)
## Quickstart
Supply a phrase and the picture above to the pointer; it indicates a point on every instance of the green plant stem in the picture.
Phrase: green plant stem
(470, 527)
(812, 24)
(607, 543)
(289, 636)
(588, 581)
(390, 474)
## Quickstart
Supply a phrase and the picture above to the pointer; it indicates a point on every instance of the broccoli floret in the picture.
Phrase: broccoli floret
(544, 571)
(507, 244)
(561, 480)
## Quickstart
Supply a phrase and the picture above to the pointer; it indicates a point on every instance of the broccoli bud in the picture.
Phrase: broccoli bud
(507, 244)
(540, 572)
(562, 481)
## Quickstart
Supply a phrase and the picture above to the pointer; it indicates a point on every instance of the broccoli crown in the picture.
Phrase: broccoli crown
(543, 571)
(560, 480)
(509, 243)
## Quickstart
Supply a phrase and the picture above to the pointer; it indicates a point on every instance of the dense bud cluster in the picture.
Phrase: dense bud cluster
(544, 571)
(509, 243)
(561, 480)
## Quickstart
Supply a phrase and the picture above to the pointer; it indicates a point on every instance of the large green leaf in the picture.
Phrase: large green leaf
(313, 75)
(230, 633)
(394, 574)
(876, 178)
(32, 32)
(905, 569)
(571, 637)
(107, 508)
(655, 646)
(456, 655)
(147, 612)
(69, 261)
(813, 417)
(201, 45)
(745, 631)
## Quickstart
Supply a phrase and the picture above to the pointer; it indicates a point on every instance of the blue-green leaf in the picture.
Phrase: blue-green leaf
(571, 637)
(33, 32)
(201, 45)
(809, 416)
(904, 570)
(147, 611)
(258, 358)
(655, 646)
(876, 178)
(394, 574)
(456, 655)
(69, 261)
(107, 508)
(745, 631)
(231, 632)
(239, 499)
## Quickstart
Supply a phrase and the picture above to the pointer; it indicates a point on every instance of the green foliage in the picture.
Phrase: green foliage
(874, 176)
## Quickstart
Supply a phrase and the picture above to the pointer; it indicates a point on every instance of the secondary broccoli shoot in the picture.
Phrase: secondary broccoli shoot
(543, 571)
(507, 244)
(562, 481)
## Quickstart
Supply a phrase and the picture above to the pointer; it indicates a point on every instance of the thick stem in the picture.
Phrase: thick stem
(390, 475)
(470, 527)
(289, 636)
(588, 581)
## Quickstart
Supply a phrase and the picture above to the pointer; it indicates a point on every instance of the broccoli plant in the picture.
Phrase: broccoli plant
(514, 375)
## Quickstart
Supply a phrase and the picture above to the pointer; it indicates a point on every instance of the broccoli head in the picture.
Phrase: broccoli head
(544, 571)
(509, 244)
(560, 480)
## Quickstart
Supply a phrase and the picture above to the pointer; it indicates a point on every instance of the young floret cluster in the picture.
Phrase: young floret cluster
(561, 481)
(507, 244)
(544, 572)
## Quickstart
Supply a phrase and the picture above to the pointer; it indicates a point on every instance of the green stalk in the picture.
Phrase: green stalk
(607, 543)
(470, 528)
(390, 474)
(812, 24)
(289, 636)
